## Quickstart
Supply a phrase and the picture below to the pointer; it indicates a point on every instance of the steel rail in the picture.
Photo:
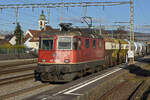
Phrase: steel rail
(16, 70)
(23, 91)
(16, 79)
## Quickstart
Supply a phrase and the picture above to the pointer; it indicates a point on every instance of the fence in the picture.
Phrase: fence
(15, 53)
(12, 50)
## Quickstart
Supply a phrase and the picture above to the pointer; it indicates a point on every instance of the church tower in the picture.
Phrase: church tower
(42, 21)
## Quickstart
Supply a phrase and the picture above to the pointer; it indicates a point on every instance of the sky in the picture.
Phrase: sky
(28, 17)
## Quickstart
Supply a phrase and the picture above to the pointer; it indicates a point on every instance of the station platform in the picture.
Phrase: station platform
(83, 88)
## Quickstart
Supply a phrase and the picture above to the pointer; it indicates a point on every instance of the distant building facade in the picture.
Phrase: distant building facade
(2, 36)
(12, 41)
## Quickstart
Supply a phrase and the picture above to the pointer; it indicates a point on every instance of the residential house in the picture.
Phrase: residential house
(2, 36)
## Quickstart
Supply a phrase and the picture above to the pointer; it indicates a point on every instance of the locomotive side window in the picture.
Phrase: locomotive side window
(99, 43)
(87, 43)
(47, 44)
(94, 44)
(40, 42)
(75, 43)
(79, 44)
(64, 43)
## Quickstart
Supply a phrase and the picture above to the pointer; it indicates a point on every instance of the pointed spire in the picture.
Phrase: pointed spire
(42, 12)
(42, 16)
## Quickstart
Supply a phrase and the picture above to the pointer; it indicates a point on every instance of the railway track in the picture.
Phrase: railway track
(136, 92)
(116, 88)
(13, 63)
(8, 71)
(16, 79)
(23, 91)
(10, 77)
(129, 94)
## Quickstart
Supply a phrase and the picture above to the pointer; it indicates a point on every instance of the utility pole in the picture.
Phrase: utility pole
(61, 16)
(131, 49)
(84, 11)
(48, 13)
(16, 13)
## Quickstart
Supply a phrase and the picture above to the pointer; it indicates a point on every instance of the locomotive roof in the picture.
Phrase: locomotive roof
(85, 32)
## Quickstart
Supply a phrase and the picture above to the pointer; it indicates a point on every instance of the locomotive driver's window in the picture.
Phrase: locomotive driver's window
(64, 43)
(47, 44)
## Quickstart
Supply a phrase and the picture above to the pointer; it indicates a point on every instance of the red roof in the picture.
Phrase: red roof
(48, 28)
(36, 33)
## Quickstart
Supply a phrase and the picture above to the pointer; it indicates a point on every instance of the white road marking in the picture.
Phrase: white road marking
(43, 98)
(80, 85)
(70, 91)
(73, 87)
(74, 94)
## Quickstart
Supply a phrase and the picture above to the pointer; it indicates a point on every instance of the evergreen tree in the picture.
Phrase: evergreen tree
(19, 34)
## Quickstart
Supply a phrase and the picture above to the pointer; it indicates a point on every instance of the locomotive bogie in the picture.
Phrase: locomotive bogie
(66, 72)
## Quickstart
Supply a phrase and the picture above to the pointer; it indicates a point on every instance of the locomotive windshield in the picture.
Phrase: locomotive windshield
(47, 44)
(64, 43)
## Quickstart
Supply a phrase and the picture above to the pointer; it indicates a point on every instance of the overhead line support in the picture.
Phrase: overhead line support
(131, 31)
(63, 4)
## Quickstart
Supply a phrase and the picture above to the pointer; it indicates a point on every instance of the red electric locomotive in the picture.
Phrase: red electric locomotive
(68, 54)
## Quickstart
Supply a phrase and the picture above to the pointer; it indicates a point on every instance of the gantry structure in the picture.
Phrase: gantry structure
(79, 4)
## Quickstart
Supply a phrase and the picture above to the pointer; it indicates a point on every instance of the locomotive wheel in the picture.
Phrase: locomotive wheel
(80, 74)
(97, 69)
(43, 77)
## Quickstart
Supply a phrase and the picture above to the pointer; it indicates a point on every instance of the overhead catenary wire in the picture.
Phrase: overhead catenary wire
(63, 4)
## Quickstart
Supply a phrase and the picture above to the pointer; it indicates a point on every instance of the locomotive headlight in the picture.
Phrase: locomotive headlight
(66, 60)
(43, 60)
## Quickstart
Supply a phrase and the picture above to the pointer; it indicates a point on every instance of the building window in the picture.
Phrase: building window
(37, 44)
(40, 22)
(87, 43)
(94, 44)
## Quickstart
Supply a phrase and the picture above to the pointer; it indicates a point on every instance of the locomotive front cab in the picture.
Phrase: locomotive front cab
(58, 50)
(47, 50)
(56, 56)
